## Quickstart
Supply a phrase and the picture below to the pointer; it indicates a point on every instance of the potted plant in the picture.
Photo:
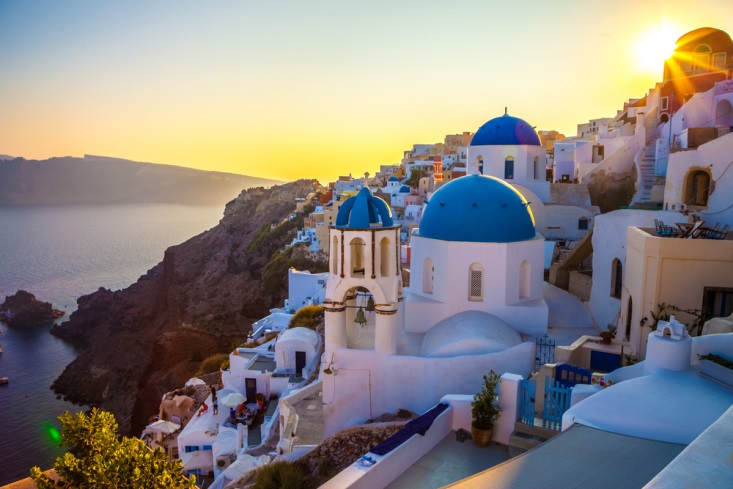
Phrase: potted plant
(484, 410)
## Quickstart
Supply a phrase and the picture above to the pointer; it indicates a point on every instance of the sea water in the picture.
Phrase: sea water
(59, 253)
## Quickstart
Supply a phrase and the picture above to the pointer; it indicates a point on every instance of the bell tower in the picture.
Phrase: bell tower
(365, 277)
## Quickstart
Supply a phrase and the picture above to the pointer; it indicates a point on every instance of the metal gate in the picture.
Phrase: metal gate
(557, 401)
(527, 393)
(544, 352)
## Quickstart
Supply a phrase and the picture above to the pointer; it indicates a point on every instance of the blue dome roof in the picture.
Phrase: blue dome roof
(477, 208)
(505, 130)
(393, 179)
(363, 210)
(405, 189)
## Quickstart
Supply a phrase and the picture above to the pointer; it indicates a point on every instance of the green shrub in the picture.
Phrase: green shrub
(275, 278)
(307, 317)
(723, 362)
(213, 364)
(284, 475)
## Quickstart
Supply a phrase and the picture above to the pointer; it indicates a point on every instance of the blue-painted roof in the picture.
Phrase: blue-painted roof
(505, 130)
(393, 179)
(363, 210)
(405, 189)
(477, 208)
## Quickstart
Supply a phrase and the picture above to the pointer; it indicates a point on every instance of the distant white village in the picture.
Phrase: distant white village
(590, 272)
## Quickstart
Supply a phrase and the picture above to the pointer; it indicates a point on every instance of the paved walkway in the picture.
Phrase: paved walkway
(449, 461)
(310, 424)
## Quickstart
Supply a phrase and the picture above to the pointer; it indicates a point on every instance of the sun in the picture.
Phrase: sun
(654, 46)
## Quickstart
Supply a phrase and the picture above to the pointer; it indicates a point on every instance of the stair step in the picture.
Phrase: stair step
(537, 430)
(520, 440)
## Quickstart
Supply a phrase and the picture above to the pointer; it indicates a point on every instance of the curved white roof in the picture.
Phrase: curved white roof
(469, 333)
(300, 334)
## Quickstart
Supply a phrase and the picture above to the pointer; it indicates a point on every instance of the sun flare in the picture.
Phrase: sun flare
(654, 46)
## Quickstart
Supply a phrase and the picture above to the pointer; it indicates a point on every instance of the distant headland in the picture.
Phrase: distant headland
(104, 180)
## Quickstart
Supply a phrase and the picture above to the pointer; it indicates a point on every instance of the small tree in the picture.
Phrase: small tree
(97, 457)
(483, 408)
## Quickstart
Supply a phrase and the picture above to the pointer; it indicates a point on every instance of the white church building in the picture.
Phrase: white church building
(477, 289)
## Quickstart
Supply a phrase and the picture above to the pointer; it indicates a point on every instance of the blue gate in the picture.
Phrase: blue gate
(526, 407)
(568, 375)
(557, 401)
(544, 351)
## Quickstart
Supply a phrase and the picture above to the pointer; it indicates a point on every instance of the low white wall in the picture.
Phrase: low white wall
(704, 462)
(390, 466)
(355, 393)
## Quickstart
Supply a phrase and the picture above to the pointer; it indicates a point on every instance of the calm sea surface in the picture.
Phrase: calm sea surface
(60, 253)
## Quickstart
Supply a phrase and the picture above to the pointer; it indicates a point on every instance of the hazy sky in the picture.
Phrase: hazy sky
(291, 89)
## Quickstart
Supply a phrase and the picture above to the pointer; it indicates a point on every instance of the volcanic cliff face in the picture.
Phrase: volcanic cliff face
(143, 341)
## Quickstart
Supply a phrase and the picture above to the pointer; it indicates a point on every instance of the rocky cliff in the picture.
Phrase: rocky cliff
(23, 309)
(140, 342)
(104, 180)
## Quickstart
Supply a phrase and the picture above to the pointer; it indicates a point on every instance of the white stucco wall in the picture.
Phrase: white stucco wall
(294, 340)
(501, 263)
(367, 384)
(609, 242)
(560, 222)
(619, 162)
(304, 286)
(670, 271)
(524, 156)
(716, 156)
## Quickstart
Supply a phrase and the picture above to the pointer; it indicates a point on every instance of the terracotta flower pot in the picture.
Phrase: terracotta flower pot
(481, 436)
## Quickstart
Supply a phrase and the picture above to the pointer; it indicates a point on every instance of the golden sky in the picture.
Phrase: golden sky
(294, 89)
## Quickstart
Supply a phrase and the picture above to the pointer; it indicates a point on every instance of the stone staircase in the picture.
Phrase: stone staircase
(525, 437)
(646, 167)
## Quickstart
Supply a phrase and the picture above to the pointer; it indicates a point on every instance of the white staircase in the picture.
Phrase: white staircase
(645, 162)
(646, 168)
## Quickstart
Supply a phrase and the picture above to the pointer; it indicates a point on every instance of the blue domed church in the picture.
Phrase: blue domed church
(476, 287)
(508, 148)
(477, 249)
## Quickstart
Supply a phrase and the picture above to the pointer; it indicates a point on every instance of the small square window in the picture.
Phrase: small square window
(719, 61)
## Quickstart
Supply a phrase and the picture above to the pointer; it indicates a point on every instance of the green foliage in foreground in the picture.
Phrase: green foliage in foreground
(307, 317)
(98, 457)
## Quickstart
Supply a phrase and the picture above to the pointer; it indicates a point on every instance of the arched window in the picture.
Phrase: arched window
(476, 282)
(724, 113)
(583, 223)
(509, 168)
(428, 276)
(524, 280)
(697, 188)
(701, 59)
(357, 248)
(335, 256)
(538, 174)
(617, 278)
(384, 256)
(480, 165)
(629, 311)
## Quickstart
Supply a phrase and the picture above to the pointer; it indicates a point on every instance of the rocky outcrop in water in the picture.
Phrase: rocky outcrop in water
(140, 342)
(23, 309)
